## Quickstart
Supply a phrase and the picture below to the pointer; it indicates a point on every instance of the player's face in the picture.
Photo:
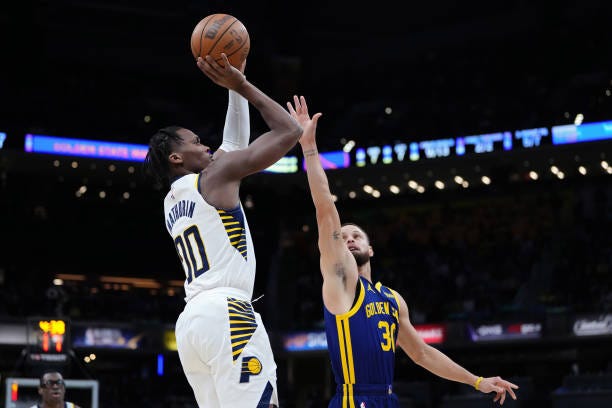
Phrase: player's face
(196, 156)
(52, 389)
(357, 243)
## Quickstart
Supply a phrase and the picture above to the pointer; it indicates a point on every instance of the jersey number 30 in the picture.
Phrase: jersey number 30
(192, 253)
(388, 334)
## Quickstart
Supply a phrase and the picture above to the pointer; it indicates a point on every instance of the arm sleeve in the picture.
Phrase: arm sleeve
(237, 130)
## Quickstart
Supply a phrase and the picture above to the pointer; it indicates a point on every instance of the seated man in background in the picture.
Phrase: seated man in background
(52, 390)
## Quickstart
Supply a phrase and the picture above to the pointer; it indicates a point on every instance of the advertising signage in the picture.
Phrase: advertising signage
(596, 325)
(505, 331)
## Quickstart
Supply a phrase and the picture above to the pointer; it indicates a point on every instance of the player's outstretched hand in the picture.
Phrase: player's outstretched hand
(301, 115)
(224, 75)
(499, 386)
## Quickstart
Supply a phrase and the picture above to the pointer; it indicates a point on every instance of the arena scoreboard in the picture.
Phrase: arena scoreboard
(48, 340)
(51, 335)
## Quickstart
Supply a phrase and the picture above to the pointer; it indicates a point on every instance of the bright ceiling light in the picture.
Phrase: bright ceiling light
(348, 146)
(578, 120)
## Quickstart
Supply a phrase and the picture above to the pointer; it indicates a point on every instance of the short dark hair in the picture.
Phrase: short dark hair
(358, 226)
(41, 379)
(156, 162)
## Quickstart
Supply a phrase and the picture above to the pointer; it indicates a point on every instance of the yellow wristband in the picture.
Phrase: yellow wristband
(478, 381)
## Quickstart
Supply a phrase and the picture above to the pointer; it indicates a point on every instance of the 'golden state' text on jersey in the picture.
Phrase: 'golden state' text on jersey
(361, 345)
(214, 245)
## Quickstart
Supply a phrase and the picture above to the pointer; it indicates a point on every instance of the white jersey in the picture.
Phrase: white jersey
(214, 246)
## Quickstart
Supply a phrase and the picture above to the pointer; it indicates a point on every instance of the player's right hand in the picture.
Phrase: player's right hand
(224, 75)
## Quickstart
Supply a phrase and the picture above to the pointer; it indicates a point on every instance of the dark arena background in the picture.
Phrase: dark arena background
(472, 140)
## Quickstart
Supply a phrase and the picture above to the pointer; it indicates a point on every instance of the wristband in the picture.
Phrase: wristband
(478, 381)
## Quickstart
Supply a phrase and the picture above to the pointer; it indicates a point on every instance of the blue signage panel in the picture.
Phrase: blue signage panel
(587, 132)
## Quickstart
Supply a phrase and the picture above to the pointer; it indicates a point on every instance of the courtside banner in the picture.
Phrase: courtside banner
(432, 333)
(305, 341)
(593, 325)
(103, 336)
(13, 334)
(505, 331)
(316, 340)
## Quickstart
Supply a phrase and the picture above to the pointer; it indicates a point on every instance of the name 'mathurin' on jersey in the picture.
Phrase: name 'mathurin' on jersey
(361, 342)
(213, 245)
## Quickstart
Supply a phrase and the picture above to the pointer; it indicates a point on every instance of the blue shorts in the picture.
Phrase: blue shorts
(364, 396)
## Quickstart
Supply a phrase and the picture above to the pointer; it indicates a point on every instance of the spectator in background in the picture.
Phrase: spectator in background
(52, 390)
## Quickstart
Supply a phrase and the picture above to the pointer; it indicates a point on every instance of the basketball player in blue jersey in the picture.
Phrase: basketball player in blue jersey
(366, 321)
(52, 390)
(223, 346)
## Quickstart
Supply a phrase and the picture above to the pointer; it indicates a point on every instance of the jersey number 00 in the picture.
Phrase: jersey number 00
(192, 253)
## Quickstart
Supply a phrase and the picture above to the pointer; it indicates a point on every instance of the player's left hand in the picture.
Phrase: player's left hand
(300, 113)
(499, 386)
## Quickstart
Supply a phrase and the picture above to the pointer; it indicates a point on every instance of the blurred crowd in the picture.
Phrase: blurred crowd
(479, 255)
(500, 252)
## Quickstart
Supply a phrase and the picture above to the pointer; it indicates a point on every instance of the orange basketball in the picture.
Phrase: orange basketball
(219, 33)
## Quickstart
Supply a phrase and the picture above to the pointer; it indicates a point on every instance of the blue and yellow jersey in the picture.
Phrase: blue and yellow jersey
(361, 342)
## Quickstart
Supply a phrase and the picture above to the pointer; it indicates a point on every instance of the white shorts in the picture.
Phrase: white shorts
(225, 351)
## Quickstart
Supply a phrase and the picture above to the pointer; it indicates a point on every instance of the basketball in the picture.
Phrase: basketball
(221, 33)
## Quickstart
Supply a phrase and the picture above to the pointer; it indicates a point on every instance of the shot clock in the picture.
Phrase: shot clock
(48, 340)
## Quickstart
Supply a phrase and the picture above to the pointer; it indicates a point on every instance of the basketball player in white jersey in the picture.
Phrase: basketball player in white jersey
(223, 346)
(52, 390)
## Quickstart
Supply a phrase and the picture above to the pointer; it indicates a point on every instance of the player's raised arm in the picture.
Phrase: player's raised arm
(338, 265)
(221, 181)
(268, 148)
(237, 127)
